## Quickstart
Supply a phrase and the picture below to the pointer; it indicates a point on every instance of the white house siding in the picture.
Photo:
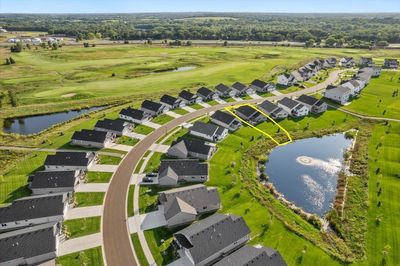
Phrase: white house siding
(89, 144)
(201, 135)
(283, 80)
(338, 97)
(302, 112)
(118, 133)
(322, 108)
(136, 121)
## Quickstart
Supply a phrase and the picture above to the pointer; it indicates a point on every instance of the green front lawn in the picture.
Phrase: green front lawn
(85, 199)
(213, 102)
(105, 159)
(81, 227)
(91, 256)
(154, 162)
(180, 111)
(159, 241)
(139, 250)
(127, 141)
(162, 119)
(196, 106)
(98, 177)
(130, 200)
(142, 129)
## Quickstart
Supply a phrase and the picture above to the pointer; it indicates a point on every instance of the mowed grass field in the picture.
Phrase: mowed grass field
(379, 97)
(82, 74)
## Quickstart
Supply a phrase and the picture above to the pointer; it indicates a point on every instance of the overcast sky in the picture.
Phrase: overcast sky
(126, 6)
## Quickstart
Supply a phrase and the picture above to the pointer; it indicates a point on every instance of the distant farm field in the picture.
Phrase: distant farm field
(88, 75)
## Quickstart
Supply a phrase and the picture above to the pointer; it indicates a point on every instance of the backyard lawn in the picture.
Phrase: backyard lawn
(81, 227)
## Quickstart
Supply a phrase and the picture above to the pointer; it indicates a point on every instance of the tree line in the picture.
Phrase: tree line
(334, 29)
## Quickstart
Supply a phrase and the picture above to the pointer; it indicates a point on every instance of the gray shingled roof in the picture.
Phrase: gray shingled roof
(252, 256)
(134, 113)
(111, 124)
(201, 198)
(288, 102)
(206, 128)
(194, 145)
(53, 179)
(90, 135)
(168, 99)
(247, 111)
(203, 91)
(187, 95)
(259, 83)
(69, 158)
(26, 243)
(212, 234)
(223, 88)
(239, 86)
(307, 99)
(33, 207)
(268, 106)
(150, 105)
(224, 117)
(184, 167)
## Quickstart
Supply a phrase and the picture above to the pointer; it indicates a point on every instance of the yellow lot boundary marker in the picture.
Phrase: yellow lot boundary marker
(229, 109)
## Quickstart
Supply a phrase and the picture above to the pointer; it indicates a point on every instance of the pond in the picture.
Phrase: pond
(184, 68)
(306, 171)
(37, 123)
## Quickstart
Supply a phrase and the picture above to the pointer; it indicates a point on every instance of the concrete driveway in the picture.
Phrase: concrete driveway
(148, 221)
(92, 187)
(135, 135)
(159, 148)
(110, 168)
(120, 147)
(152, 125)
(84, 212)
(80, 243)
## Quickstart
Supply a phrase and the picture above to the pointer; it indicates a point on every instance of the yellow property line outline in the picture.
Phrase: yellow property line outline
(229, 109)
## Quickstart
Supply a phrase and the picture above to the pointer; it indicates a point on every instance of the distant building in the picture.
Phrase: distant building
(206, 94)
(184, 205)
(366, 62)
(391, 63)
(224, 91)
(240, 89)
(172, 172)
(33, 210)
(208, 240)
(286, 79)
(347, 62)
(92, 138)
(192, 148)
(134, 115)
(70, 161)
(30, 246)
(261, 86)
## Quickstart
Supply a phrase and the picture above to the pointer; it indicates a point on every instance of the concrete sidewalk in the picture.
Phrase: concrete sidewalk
(120, 147)
(151, 124)
(276, 92)
(84, 212)
(110, 168)
(238, 99)
(189, 109)
(148, 221)
(173, 114)
(79, 244)
(92, 187)
(255, 96)
(159, 148)
(135, 135)
(136, 178)
(205, 104)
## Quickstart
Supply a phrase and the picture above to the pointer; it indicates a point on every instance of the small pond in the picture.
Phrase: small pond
(184, 68)
(306, 171)
(37, 123)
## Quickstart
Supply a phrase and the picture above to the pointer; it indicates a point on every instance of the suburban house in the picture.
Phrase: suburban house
(134, 115)
(273, 110)
(286, 79)
(172, 172)
(300, 75)
(354, 85)
(391, 63)
(369, 71)
(208, 240)
(253, 256)
(329, 62)
(224, 91)
(206, 94)
(117, 126)
(240, 89)
(250, 114)
(293, 107)
(366, 62)
(208, 131)
(153, 108)
(338, 94)
(92, 138)
(315, 105)
(171, 102)
(30, 246)
(33, 210)
(261, 86)
(347, 62)
(184, 205)
(376, 71)
(46, 182)
(194, 148)
(70, 161)
(226, 120)
(189, 98)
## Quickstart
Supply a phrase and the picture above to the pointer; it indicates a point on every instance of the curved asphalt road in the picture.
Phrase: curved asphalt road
(116, 237)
